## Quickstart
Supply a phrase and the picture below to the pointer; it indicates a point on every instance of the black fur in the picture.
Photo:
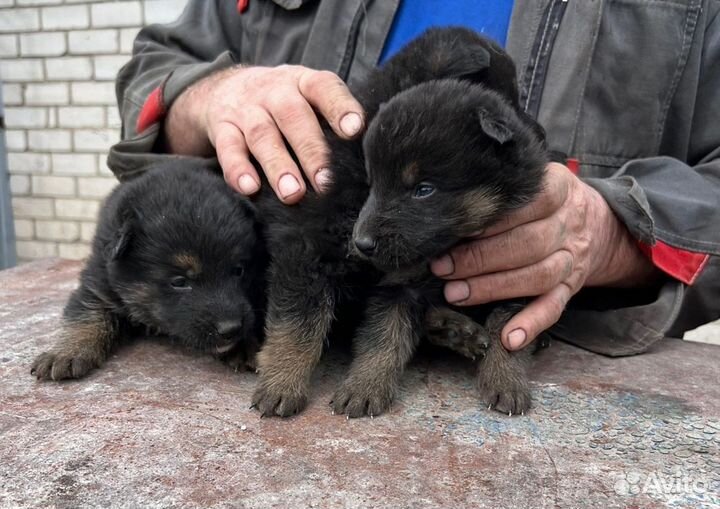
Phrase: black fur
(176, 252)
(443, 111)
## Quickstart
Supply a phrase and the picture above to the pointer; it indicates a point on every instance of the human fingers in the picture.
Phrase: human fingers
(300, 127)
(327, 93)
(266, 144)
(538, 316)
(522, 246)
(234, 158)
(527, 281)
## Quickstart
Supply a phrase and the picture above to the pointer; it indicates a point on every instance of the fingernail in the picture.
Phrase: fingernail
(288, 186)
(457, 291)
(351, 124)
(323, 178)
(443, 266)
(516, 339)
(248, 185)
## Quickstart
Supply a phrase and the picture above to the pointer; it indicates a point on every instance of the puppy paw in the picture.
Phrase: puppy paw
(359, 399)
(241, 359)
(278, 402)
(510, 396)
(60, 365)
(456, 331)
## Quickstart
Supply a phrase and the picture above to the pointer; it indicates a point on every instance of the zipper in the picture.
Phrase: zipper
(535, 73)
(353, 35)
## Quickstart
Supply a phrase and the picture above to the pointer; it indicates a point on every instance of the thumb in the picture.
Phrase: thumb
(535, 318)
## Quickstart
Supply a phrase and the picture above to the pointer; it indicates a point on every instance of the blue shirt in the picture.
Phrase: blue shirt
(413, 17)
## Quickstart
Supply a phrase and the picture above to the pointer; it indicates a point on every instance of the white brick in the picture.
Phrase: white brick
(95, 187)
(87, 231)
(34, 249)
(21, 70)
(74, 251)
(19, 185)
(162, 11)
(43, 44)
(77, 209)
(127, 38)
(107, 67)
(69, 68)
(74, 164)
(113, 117)
(93, 93)
(103, 169)
(81, 116)
(53, 186)
(32, 207)
(38, 2)
(25, 117)
(93, 42)
(15, 140)
(52, 117)
(46, 140)
(8, 46)
(19, 20)
(28, 163)
(95, 140)
(57, 230)
(116, 14)
(39, 94)
(24, 229)
(12, 94)
(66, 17)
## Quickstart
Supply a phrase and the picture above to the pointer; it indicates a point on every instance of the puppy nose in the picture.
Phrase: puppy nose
(229, 327)
(366, 245)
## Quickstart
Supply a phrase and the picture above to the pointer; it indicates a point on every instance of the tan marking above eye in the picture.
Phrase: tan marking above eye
(410, 173)
(188, 262)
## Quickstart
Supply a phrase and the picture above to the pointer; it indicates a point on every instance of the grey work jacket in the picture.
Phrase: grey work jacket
(628, 88)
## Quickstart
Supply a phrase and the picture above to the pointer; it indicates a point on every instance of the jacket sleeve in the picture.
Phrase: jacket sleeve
(166, 60)
(672, 208)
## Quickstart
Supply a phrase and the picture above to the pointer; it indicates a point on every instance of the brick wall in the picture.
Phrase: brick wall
(58, 61)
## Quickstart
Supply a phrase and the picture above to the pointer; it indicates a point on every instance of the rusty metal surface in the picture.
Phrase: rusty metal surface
(162, 427)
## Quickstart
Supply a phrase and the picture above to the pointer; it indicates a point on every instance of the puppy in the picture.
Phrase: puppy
(447, 153)
(176, 252)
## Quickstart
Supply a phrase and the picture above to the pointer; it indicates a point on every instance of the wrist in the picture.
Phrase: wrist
(185, 127)
(620, 262)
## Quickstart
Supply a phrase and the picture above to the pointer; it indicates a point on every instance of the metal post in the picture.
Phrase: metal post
(7, 229)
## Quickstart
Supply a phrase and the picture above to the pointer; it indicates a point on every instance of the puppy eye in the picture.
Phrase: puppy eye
(238, 271)
(423, 190)
(180, 283)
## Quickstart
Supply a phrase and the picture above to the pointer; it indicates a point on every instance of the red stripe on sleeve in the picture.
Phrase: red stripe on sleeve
(152, 111)
(242, 5)
(573, 165)
(683, 265)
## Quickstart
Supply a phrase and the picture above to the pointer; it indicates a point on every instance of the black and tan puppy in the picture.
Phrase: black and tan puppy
(176, 252)
(447, 153)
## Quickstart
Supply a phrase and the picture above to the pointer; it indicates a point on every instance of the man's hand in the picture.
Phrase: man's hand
(241, 112)
(565, 239)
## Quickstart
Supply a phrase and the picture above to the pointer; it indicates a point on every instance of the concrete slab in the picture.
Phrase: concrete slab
(162, 427)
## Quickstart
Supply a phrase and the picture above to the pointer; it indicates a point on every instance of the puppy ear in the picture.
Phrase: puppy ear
(470, 66)
(120, 243)
(494, 127)
(247, 206)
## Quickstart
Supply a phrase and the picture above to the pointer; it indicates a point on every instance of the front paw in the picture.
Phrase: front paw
(60, 365)
(241, 358)
(508, 395)
(357, 399)
(280, 401)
